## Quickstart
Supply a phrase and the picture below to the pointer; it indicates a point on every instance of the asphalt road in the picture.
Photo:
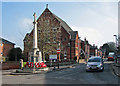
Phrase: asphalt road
(75, 75)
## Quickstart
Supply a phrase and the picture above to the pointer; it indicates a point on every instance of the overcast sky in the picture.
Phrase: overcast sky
(97, 21)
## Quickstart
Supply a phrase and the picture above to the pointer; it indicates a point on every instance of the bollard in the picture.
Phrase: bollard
(21, 63)
(58, 64)
(54, 68)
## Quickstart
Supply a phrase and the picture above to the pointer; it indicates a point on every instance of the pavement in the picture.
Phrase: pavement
(8, 72)
(50, 69)
(116, 69)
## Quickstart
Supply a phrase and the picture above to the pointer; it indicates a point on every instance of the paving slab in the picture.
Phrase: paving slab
(29, 71)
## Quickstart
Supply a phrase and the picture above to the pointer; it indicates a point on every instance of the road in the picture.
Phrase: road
(75, 75)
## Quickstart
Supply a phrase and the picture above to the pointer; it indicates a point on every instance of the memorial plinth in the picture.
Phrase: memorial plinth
(35, 62)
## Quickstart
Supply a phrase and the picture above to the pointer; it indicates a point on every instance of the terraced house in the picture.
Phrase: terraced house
(53, 33)
(5, 47)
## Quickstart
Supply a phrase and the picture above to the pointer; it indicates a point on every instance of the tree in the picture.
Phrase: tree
(109, 47)
(28, 43)
(15, 54)
(46, 39)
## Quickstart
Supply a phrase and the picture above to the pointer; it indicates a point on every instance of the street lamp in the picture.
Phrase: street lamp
(116, 39)
(116, 45)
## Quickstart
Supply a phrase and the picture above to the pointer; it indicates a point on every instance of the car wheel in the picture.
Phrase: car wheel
(101, 70)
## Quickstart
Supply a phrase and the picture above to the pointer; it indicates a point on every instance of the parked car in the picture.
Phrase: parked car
(95, 63)
(110, 58)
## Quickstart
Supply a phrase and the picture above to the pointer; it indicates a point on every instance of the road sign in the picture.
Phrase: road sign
(58, 51)
(51, 57)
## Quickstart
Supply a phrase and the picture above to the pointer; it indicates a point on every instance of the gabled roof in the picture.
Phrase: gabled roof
(26, 36)
(5, 41)
(73, 34)
(63, 23)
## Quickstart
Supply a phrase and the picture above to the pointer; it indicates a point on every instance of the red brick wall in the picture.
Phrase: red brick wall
(79, 47)
(92, 51)
(28, 44)
(76, 46)
(5, 48)
(1, 49)
(99, 53)
(65, 40)
(10, 65)
(83, 46)
(72, 48)
(88, 50)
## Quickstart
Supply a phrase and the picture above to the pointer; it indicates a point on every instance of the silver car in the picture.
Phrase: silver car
(95, 63)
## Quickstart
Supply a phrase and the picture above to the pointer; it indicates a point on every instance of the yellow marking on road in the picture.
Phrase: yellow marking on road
(13, 75)
(9, 75)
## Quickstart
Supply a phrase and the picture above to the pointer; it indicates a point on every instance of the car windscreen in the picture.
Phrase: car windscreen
(110, 56)
(94, 60)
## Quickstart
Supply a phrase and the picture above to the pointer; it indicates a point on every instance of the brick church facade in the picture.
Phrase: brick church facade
(62, 34)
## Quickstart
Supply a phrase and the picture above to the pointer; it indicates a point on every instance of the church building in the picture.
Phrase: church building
(53, 33)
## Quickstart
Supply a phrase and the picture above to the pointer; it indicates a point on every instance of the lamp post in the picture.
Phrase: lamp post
(116, 45)
(116, 39)
(85, 44)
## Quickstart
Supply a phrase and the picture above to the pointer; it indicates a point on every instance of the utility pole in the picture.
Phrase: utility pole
(85, 44)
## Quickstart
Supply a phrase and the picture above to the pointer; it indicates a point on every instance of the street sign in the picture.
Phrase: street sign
(58, 51)
(51, 57)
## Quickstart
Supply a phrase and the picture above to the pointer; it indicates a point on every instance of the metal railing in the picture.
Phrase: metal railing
(61, 63)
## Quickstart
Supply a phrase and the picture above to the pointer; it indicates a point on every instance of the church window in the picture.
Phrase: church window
(65, 53)
(65, 39)
(54, 29)
(54, 39)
